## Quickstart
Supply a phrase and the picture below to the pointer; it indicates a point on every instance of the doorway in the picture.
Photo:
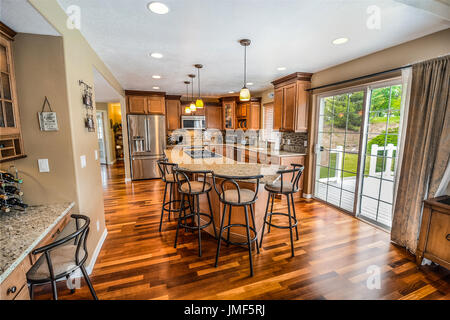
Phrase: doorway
(101, 136)
(356, 152)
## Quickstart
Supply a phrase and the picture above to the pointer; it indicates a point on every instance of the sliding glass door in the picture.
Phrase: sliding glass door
(356, 150)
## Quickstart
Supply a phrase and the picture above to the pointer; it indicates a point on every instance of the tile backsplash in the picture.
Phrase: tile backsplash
(296, 139)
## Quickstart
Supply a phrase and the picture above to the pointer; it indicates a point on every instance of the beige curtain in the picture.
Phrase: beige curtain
(426, 150)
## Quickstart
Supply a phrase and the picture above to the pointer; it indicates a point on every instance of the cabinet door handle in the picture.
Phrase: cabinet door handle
(448, 237)
(13, 289)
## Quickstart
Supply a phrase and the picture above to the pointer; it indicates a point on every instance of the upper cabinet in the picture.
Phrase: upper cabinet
(173, 108)
(213, 115)
(229, 112)
(11, 144)
(145, 102)
(248, 114)
(291, 102)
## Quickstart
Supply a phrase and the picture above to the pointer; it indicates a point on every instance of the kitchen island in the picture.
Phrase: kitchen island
(226, 166)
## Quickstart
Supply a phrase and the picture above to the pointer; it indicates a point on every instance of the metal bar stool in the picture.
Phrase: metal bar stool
(167, 170)
(60, 259)
(235, 196)
(194, 188)
(288, 189)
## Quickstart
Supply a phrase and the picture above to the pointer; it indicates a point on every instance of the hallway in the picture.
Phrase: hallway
(332, 257)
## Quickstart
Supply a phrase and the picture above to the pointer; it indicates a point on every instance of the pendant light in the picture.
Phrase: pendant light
(244, 95)
(199, 101)
(192, 105)
(187, 109)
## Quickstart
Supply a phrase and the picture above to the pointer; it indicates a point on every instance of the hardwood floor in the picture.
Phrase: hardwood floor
(331, 262)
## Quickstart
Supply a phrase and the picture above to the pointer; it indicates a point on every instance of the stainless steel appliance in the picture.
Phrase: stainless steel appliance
(193, 122)
(147, 139)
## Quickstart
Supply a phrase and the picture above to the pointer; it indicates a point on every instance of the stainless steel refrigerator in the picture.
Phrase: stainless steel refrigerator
(147, 139)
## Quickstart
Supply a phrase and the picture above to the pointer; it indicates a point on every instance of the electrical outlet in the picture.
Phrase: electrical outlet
(96, 154)
(98, 225)
(305, 143)
(288, 141)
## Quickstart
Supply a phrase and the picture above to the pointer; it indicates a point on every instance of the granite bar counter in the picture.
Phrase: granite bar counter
(22, 231)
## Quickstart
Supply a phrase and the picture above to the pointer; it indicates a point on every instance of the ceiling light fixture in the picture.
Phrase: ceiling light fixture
(156, 55)
(158, 7)
(249, 83)
(187, 109)
(339, 41)
(192, 105)
(244, 94)
(156, 76)
(156, 88)
(230, 91)
(199, 101)
(281, 68)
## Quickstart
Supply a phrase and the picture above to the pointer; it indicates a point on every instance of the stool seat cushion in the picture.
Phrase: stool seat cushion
(276, 187)
(62, 258)
(196, 186)
(232, 195)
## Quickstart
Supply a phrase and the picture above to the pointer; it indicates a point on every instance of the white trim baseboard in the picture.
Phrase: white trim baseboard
(307, 195)
(90, 267)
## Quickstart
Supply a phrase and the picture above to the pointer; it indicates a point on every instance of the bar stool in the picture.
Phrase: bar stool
(167, 170)
(193, 188)
(235, 196)
(288, 189)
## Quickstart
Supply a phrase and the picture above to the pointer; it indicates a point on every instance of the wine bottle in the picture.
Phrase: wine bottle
(13, 190)
(4, 196)
(8, 177)
(16, 202)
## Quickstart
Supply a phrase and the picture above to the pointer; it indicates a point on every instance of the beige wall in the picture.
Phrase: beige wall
(80, 60)
(40, 72)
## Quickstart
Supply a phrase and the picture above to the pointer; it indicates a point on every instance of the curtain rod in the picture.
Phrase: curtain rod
(359, 78)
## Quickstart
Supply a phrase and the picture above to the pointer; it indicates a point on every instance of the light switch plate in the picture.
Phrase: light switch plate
(43, 165)
(305, 143)
(96, 154)
(83, 161)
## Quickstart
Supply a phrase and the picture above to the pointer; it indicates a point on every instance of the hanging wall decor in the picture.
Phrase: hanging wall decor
(47, 119)
(88, 104)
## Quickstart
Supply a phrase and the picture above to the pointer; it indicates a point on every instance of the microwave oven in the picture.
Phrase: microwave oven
(193, 122)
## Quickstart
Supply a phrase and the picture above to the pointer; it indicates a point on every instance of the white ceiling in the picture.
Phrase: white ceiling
(20, 16)
(296, 34)
(104, 92)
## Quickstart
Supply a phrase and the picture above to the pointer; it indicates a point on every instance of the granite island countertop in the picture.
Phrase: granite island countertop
(21, 232)
(225, 166)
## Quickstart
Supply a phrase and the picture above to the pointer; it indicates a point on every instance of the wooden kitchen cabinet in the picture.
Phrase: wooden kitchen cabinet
(11, 144)
(213, 116)
(173, 109)
(145, 102)
(291, 102)
(248, 114)
(229, 112)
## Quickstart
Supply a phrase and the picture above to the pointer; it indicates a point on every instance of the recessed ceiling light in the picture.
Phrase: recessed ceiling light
(230, 91)
(158, 7)
(281, 68)
(249, 83)
(156, 55)
(156, 76)
(156, 88)
(339, 41)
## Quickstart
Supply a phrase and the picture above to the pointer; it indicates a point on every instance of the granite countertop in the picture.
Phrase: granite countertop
(225, 166)
(21, 232)
(279, 153)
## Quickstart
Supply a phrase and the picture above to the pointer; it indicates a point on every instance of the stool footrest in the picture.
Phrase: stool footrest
(194, 215)
(281, 214)
(167, 204)
(239, 243)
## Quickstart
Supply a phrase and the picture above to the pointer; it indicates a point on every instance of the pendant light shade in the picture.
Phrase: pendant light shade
(199, 102)
(192, 105)
(187, 109)
(244, 94)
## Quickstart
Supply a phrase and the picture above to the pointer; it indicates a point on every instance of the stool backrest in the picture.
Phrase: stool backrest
(296, 171)
(167, 169)
(79, 237)
(231, 180)
(185, 173)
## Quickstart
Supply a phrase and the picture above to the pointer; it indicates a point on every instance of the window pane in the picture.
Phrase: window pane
(321, 190)
(333, 195)
(350, 164)
(347, 200)
(369, 207)
(387, 191)
(9, 114)
(352, 142)
(3, 59)
(6, 86)
(377, 121)
(385, 214)
(380, 99)
(371, 187)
